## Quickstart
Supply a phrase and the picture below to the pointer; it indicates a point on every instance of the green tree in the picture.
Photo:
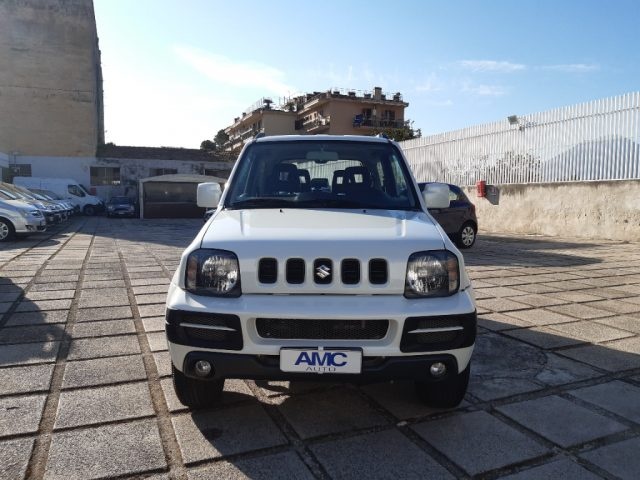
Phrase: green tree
(399, 134)
(207, 145)
(221, 138)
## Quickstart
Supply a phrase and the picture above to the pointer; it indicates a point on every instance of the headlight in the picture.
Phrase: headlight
(432, 274)
(213, 272)
(30, 213)
(111, 208)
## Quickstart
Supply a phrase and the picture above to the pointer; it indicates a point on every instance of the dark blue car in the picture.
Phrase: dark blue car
(459, 220)
(121, 207)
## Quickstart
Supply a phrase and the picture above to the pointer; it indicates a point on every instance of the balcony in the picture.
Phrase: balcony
(319, 124)
(374, 122)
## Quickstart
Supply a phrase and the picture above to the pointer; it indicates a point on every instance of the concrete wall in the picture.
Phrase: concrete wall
(50, 80)
(278, 123)
(608, 209)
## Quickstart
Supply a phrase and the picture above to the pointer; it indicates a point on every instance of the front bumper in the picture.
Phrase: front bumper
(248, 356)
(121, 213)
(374, 369)
(31, 225)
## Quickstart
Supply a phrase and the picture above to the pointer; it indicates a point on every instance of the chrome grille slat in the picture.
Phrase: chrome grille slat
(436, 330)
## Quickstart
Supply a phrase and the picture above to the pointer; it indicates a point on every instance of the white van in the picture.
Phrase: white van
(68, 189)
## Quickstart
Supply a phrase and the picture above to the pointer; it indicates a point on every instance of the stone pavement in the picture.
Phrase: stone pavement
(85, 388)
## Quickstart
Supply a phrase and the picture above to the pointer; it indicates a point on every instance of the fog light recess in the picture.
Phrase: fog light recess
(438, 369)
(203, 368)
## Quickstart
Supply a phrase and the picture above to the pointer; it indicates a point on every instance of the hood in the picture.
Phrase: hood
(312, 234)
(303, 225)
(16, 205)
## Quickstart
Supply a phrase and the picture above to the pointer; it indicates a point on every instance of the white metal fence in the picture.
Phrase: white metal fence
(598, 140)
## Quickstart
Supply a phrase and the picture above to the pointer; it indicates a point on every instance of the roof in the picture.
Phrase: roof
(183, 178)
(323, 138)
(161, 153)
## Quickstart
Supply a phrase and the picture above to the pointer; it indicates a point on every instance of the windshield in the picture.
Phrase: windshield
(322, 174)
(50, 194)
(7, 195)
(75, 190)
(120, 200)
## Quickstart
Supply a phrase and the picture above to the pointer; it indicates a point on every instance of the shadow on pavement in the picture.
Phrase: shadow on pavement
(165, 232)
(27, 334)
(494, 251)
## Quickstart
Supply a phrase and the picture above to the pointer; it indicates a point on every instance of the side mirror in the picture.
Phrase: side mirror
(436, 195)
(209, 195)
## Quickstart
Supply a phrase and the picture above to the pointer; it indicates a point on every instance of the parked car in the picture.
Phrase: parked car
(48, 211)
(121, 207)
(68, 189)
(458, 219)
(350, 283)
(69, 206)
(18, 217)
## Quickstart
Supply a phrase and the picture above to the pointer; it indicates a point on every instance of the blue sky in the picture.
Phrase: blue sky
(175, 72)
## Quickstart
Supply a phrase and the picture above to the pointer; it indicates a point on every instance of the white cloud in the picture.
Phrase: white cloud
(247, 74)
(491, 66)
(431, 84)
(572, 67)
(484, 90)
(439, 103)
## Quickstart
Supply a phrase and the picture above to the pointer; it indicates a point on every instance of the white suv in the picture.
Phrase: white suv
(321, 262)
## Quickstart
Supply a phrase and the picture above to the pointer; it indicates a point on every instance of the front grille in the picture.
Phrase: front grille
(293, 329)
(295, 270)
(378, 271)
(350, 271)
(268, 270)
(463, 333)
(324, 271)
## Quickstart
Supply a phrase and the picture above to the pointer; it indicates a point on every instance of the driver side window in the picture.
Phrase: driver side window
(75, 190)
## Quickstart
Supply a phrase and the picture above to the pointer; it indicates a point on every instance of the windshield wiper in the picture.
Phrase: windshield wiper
(261, 203)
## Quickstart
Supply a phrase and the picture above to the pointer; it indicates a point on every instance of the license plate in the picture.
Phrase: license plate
(313, 360)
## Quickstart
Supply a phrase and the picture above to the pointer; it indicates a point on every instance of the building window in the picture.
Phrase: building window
(389, 115)
(105, 176)
(156, 172)
(21, 169)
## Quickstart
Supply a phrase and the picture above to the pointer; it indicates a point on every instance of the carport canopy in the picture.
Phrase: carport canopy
(172, 196)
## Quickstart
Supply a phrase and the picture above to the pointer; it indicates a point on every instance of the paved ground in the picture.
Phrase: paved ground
(85, 389)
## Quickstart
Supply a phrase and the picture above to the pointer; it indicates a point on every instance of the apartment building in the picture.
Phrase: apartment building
(335, 112)
(50, 79)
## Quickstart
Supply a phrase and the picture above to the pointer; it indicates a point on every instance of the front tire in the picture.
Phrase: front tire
(466, 237)
(89, 210)
(7, 231)
(448, 393)
(196, 394)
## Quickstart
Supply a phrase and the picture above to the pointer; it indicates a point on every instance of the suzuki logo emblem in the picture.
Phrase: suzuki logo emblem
(323, 271)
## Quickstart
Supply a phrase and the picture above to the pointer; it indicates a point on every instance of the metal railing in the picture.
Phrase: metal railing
(598, 140)
(362, 121)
